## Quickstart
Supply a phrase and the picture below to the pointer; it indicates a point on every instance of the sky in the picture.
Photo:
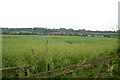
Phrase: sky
(76, 14)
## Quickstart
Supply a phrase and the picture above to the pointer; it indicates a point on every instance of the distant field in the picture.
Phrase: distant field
(62, 50)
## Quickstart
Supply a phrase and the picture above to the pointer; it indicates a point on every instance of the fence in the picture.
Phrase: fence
(16, 70)
(57, 72)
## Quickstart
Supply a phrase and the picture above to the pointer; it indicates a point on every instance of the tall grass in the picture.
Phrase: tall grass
(61, 51)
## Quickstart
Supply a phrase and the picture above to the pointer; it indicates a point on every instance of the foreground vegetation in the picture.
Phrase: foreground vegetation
(57, 51)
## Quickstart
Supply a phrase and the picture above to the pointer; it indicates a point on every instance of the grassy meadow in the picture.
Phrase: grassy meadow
(62, 51)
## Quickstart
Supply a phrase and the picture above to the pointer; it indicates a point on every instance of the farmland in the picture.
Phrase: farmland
(60, 51)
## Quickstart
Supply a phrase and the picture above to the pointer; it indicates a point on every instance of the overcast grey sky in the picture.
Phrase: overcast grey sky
(76, 14)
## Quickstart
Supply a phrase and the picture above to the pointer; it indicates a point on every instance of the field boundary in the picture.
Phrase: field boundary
(59, 71)
(69, 69)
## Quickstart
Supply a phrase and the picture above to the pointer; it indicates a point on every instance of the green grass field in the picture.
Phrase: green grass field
(62, 50)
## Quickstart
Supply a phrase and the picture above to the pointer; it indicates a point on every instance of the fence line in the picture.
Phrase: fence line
(56, 72)
(69, 69)
(15, 70)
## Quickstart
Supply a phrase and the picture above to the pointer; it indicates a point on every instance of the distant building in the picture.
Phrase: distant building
(89, 35)
(98, 36)
(102, 36)
(95, 35)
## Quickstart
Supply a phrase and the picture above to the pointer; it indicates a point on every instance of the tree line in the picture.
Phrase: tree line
(60, 31)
